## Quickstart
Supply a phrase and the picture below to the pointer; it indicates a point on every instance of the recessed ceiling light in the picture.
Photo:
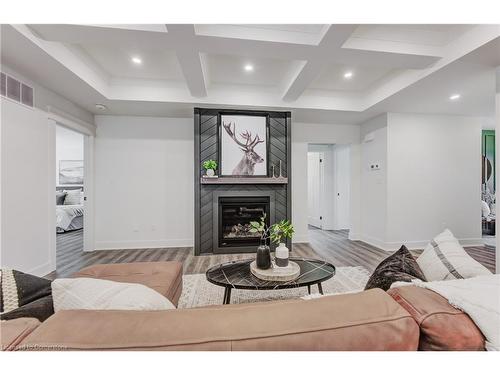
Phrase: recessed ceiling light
(136, 60)
(348, 75)
(248, 68)
(455, 97)
(101, 107)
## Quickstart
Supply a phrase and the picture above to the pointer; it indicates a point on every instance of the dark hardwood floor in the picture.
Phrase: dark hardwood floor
(332, 246)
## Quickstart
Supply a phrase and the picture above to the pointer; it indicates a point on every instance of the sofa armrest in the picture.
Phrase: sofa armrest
(369, 320)
(442, 327)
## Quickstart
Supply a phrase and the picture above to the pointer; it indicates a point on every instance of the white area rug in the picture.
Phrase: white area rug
(197, 291)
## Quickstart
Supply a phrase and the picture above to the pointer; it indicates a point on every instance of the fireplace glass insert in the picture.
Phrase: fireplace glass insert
(235, 215)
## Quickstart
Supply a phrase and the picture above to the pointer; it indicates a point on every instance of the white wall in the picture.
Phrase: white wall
(44, 98)
(429, 179)
(434, 178)
(373, 183)
(27, 189)
(69, 146)
(144, 194)
(302, 135)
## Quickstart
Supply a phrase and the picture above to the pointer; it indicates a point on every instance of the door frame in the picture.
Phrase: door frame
(318, 222)
(88, 131)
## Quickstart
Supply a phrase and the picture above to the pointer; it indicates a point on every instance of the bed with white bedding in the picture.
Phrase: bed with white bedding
(69, 217)
(69, 210)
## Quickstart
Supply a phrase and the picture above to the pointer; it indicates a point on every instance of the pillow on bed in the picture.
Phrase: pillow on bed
(60, 195)
(72, 196)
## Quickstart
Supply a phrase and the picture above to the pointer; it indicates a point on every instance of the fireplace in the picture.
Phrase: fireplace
(235, 215)
(233, 212)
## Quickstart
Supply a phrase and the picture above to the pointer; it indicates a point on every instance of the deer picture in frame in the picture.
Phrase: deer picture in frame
(243, 145)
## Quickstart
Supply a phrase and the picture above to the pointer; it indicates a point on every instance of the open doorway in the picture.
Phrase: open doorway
(328, 171)
(69, 177)
(488, 188)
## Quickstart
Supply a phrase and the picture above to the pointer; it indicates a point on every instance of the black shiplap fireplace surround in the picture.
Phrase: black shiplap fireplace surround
(223, 207)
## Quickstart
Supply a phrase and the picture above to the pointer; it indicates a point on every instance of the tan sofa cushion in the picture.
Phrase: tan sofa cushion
(369, 320)
(442, 327)
(164, 277)
(12, 332)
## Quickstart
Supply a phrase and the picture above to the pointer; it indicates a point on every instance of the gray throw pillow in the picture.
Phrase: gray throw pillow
(400, 266)
(60, 195)
(24, 296)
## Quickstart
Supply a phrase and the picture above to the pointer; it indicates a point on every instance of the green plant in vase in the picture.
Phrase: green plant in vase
(263, 258)
(210, 167)
(277, 233)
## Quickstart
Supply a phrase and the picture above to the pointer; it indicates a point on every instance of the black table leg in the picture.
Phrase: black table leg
(309, 289)
(227, 296)
(320, 288)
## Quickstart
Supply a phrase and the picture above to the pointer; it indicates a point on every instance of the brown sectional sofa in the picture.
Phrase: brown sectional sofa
(369, 320)
(164, 277)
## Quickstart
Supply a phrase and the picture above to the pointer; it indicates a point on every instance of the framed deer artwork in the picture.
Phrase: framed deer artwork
(243, 145)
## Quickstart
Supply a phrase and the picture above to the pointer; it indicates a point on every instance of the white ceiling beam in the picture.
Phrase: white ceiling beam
(189, 59)
(306, 73)
(332, 40)
(401, 57)
(389, 46)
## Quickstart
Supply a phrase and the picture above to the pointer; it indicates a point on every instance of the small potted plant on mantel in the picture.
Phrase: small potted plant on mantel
(276, 233)
(210, 167)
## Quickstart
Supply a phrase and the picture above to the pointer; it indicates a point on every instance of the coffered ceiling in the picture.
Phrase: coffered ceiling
(322, 72)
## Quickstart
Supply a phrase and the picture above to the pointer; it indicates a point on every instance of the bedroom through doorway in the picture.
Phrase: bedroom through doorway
(69, 192)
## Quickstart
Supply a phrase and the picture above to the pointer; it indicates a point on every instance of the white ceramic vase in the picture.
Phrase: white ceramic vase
(281, 255)
(210, 172)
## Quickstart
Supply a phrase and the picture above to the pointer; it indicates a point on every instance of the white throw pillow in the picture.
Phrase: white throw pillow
(96, 294)
(444, 259)
(485, 209)
(72, 197)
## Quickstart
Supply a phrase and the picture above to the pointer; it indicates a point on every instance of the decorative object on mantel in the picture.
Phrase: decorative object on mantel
(288, 273)
(272, 171)
(279, 232)
(276, 233)
(280, 175)
(210, 167)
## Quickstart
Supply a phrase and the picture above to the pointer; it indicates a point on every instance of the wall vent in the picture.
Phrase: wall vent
(15, 90)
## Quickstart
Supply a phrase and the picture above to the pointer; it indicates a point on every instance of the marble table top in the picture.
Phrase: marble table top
(237, 275)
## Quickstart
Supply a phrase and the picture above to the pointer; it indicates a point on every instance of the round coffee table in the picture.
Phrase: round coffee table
(237, 275)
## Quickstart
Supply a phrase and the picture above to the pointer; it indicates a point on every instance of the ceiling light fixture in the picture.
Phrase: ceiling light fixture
(136, 60)
(101, 107)
(248, 68)
(348, 75)
(455, 97)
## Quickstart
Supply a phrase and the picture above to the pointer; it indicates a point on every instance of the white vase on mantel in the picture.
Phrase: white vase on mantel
(210, 172)
(281, 255)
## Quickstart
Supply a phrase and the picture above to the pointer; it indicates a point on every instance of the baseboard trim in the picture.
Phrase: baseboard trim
(153, 244)
(411, 245)
(303, 238)
(43, 269)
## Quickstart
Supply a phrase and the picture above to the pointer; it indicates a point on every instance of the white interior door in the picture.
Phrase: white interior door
(314, 189)
(343, 177)
(88, 188)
